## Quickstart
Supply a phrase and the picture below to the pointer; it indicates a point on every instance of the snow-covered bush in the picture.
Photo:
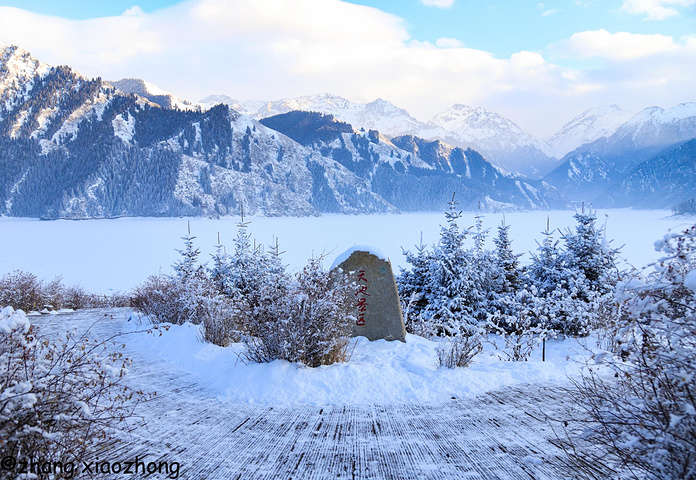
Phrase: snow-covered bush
(25, 291)
(459, 350)
(301, 320)
(220, 321)
(157, 299)
(59, 399)
(521, 322)
(646, 416)
(182, 297)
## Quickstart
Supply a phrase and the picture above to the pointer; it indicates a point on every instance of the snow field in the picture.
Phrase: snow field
(104, 256)
(378, 373)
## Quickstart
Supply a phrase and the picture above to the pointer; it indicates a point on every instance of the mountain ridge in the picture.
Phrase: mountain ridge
(74, 147)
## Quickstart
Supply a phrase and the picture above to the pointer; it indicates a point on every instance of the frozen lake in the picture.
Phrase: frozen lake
(115, 255)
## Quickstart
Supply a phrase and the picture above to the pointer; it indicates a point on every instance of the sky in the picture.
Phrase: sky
(538, 63)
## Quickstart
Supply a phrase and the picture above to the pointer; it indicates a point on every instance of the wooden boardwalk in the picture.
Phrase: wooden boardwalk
(494, 436)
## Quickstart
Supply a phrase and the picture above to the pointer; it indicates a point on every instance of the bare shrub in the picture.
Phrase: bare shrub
(77, 297)
(303, 321)
(220, 321)
(458, 351)
(157, 298)
(23, 291)
(54, 293)
(59, 399)
(117, 300)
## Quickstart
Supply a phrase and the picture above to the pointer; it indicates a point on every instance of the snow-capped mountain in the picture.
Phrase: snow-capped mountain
(412, 173)
(592, 124)
(595, 167)
(152, 92)
(655, 127)
(500, 139)
(17, 72)
(379, 114)
(81, 148)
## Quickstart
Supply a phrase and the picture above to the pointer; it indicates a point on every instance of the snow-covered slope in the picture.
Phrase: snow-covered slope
(590, 125)
(152, 92)
(502, 141)
(18, 70)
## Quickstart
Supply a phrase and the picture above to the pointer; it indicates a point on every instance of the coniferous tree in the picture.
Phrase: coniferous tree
(445, 289)
(186, 268)
(219, 273)
(506, 260)
(546, 272)
(588, 257)
(191, 284)
(414, 288)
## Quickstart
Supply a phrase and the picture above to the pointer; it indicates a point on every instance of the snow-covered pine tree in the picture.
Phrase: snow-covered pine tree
(550, 280)
(443, 292)
(190, 285)
(487, 278)
(246, 267)
(186, 267)
(506, 260)
(588, 257)
(454, 293)
(575, 282)
(414, 289)
(546, 272)
(275, 270)
(479, 235)
(219, 273)
(517, 312)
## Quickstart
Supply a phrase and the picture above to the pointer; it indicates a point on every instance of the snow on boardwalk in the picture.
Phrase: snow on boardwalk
(492, 436)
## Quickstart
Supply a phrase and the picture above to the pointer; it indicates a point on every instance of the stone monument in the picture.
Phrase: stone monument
(374, 297)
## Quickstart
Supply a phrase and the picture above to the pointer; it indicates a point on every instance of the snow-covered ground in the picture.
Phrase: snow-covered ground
(378, 373)
(116, 255)
(219, 419)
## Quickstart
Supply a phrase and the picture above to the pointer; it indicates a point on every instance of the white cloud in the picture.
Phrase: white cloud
(549, 12)
(445, 42)
(252, 49)
(617, 46)
(438, 3)
(655, 9)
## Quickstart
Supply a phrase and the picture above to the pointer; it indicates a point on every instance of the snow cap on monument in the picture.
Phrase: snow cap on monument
(374, 298)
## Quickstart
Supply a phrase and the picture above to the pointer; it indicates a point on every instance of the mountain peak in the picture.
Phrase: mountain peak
(592, 124)
(500, 139)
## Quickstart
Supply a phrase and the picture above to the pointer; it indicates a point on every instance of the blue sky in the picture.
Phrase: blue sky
(539, 63)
